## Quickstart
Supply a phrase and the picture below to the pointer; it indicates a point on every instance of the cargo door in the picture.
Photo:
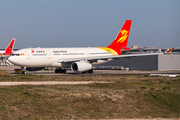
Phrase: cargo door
(87, 54)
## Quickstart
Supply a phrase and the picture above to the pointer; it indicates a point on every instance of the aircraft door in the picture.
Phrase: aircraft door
(28, 56)
(48, 54)
(88, 54)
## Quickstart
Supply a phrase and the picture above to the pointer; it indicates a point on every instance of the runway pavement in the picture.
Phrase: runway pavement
(50, 83)
(10, 69)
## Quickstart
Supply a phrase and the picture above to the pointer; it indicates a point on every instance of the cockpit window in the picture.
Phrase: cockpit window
(15, 54)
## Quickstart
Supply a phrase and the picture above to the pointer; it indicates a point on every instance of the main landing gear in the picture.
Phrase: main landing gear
(59, 70)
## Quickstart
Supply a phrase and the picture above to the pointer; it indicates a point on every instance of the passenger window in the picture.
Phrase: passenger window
(15, 54)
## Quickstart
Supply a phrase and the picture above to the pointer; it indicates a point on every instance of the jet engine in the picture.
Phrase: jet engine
(81, 66)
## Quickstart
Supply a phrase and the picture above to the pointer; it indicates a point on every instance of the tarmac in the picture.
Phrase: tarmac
(10, 69)
(36, 83)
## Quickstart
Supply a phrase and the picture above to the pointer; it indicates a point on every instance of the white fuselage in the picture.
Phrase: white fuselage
(53, 57)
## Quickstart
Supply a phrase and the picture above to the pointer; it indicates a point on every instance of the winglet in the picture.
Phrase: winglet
(9, 48)
(168, 51)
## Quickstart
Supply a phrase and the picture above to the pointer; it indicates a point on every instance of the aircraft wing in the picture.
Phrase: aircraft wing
(107, 57)
(92, 59)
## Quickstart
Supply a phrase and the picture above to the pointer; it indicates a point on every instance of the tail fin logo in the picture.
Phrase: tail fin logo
(121, 38)
(124, 34)
(32, 51)
(10, 47)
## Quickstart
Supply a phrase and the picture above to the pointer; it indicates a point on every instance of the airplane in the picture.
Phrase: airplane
(8, 51)
(9, 48)
(78, 59)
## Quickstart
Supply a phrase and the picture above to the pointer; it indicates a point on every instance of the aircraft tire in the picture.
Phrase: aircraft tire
(63, 70)
(56, 71)
(23, 72)
(90, 71)
(60, 70)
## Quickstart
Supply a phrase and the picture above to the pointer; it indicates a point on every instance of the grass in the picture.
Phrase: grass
(4, 74)
(127, 97)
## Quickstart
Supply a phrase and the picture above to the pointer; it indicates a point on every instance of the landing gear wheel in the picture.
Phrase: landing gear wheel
(90, 71)
(23, 69)
(23, 72)
(63, 70)
(56, 71)
(59, 70)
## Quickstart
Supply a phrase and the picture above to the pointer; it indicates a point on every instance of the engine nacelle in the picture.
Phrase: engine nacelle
(81, 66)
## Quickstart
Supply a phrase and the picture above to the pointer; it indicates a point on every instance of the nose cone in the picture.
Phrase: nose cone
(11, 59)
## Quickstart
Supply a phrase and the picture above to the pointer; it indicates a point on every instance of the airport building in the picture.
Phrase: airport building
(169, 61)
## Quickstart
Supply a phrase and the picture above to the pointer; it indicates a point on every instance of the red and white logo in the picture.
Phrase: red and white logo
(32, 51)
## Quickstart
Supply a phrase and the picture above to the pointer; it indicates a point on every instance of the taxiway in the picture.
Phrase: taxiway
(10, 69)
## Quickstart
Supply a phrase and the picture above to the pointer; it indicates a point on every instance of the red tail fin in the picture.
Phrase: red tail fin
(9, 48)
(122, 38)
(168, 51)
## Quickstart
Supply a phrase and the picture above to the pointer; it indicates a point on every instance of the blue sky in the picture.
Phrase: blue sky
(83, 23)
